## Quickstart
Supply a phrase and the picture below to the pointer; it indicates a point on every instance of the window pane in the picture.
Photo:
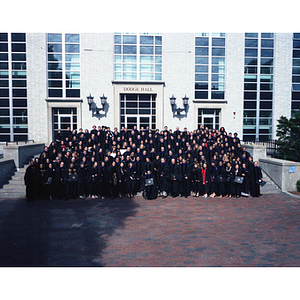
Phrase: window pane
(201, 85)
(130, 68)
(266, 52)
(3, 47)
(118, 49)
(158, 40)
(18, 47)
(218, 60)
(72, 57)
(54, 66)
(201, 41)
(3, 56)
(146, 50)
(201, 69)
(146, 40)
(18, 37)
(147, 59)
(251, 52)
(19, 83)
(267, 43)
(117, 39)
(72, 38)
(158, 50)
(218, 51)
(129, 49)
(72, 48)
(4, 66)
(129, 39)
(70, 93)
(201, 95)
(73, 67)
(54, 57)
(251, 43)
(202, 60)
(19, 66)
(267, 61)
(201, 77)
(218, 42)
(250, 61)
(252, 35)
(3, 74)
(201, 51)
(18, 57)
(3, 37)
(129, 59)
(250, 95)
(72, 75)
(52, 37)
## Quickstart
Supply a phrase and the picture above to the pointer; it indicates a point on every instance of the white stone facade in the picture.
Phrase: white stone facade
(178, 79)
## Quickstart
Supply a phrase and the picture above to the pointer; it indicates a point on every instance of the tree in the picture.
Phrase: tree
(288, 132)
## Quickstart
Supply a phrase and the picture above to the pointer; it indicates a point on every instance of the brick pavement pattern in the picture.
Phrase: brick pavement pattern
(191, 232)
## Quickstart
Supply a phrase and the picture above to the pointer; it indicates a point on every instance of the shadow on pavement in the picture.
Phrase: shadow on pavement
(59, 233)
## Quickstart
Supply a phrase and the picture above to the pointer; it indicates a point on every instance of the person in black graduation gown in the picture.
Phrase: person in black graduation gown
(121, 174)
(102, 170)
(62, 176)
(81, 180)
(256, 178)
(163, 175)
(175, 178)
(186, 172)
(213, 174)
(196, 175)
(229, 180)
(149, 191)
(130, 180)
(221, 179)
(246, 182)
(237, 186)
(30, 179)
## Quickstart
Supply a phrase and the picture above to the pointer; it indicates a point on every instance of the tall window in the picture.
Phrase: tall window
(296, 72)
(210, 66)
(258, 86)
(138, 57)
(13, 87)
(63, 65)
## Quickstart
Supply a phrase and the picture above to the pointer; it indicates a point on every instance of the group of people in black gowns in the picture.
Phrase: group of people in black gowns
(105, 163)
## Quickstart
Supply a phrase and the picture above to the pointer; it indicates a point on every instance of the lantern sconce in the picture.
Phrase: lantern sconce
(93, 106)
(177, 110)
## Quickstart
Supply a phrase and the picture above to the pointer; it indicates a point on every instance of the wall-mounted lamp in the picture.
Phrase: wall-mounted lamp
(93, 106)
(175, 110)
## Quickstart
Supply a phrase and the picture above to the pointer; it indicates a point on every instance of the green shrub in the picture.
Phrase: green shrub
(298, 185)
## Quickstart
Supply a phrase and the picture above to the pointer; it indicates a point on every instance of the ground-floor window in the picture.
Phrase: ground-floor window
(138, 110)
(209, 118)
(64, 118)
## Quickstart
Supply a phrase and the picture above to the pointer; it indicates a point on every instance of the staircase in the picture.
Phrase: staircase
(271, 187)
(15, 188)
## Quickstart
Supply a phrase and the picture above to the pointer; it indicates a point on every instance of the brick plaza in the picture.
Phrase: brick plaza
(192, 232)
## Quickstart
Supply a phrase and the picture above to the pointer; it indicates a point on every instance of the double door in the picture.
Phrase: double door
(138, 121)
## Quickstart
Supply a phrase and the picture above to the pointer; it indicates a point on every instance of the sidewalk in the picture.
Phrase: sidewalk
(191, 232)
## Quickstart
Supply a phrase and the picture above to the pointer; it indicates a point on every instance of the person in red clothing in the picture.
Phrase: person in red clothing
(205, 180)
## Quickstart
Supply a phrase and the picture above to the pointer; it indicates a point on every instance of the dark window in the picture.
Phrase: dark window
(250, 95)
(19, 102)
(266, 52)
(267, 43)
(4, 92)
(267, 61)
(158, 40)
(296, 105)
(3, 47)
(201, 95)
(18, 57)
(55, 93)
(129, 39)
(18, 37)
(146, 40)
(251, 52)
(19, 65)
(266, 95)
(250, 86)
(4, 103)
(217, 95)
(19, 93)
(201, 51)
(201, 41)
(265, 105)
(249, 104)
(251, 43)
(295, 95)
(3, 37)
(73, 93)
(3, 56)
(18, 47)
(218, 42)
(296, 53)
(250, 61)
(251, 34)
(218, 51)
(129, 49)
(201, 85)
(3, 65)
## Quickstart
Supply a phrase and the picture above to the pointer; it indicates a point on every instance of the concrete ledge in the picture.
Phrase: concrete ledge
(256, 151)
(284, 172)
(7, 166)
(20, 153)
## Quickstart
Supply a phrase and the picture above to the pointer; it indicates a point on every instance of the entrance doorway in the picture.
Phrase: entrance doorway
(209, 118)
(138, 110)
(64, 118)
